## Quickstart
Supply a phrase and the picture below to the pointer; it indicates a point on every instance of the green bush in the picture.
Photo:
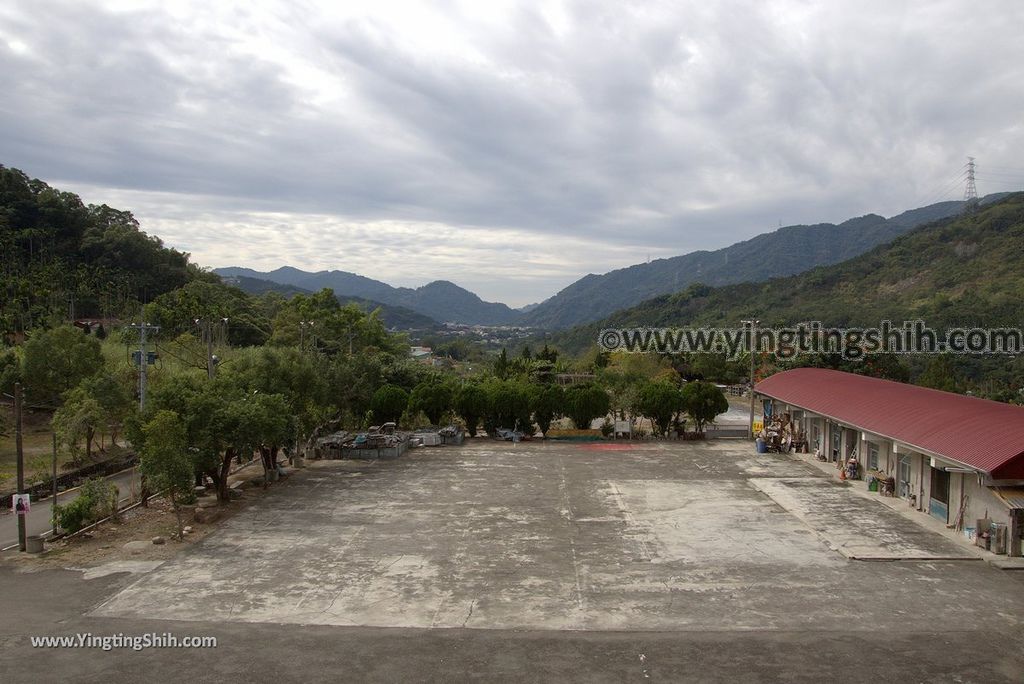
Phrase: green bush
(97, 499)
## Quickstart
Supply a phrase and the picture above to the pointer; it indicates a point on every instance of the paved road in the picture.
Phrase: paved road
(59, 603)
(40, 515)
(541, 563)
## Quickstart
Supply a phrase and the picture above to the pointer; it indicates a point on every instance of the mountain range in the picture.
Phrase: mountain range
(966, 270)
(441, 300)
(786, 251)
(395, 317)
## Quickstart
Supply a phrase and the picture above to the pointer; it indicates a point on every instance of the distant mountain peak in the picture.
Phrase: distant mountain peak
(440, 300)
(782, 252)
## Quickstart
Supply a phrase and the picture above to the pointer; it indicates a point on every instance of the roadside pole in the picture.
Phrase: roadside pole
(53, 503)
(753, 357)
(18, 408)
(143, 328)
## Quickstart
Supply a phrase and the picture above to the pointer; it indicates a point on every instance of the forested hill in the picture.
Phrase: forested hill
(59, 255)
(396, 317)
(786, 251)
(962, 271)
(440, 300)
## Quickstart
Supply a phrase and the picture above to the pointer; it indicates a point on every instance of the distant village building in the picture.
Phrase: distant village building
(957, 458)
(421, 354)
(92, 325)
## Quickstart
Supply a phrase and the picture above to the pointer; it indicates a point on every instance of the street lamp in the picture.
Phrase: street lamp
(753, 323)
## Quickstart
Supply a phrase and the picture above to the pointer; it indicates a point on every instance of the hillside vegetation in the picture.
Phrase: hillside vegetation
(60, 256)
(964, 271)
(395, 317)
(441, 300)
(786, 251)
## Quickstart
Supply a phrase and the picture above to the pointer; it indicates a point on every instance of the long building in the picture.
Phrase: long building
(955, 457)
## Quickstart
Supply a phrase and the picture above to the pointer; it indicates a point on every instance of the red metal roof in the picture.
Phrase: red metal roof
(986, 435)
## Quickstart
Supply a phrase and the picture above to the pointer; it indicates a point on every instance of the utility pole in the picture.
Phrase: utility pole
(207, 332)
(53, 500)
(971, 191)
(143, 328)
(753, 356)
(210, 370)
(18, 409)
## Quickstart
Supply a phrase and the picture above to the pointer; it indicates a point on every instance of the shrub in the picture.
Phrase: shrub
(584, 403)
(389, 403)
(97, 499)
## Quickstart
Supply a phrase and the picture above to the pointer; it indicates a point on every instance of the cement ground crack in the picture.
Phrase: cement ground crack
(472, 604)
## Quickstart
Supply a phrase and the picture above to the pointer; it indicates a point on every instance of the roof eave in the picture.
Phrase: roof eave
(915, 447)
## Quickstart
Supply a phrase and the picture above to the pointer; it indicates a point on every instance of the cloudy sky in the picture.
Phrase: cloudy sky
(511, 147)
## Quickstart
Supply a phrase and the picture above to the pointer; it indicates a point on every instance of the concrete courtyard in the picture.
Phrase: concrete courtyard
(571, 545)
(567, 537)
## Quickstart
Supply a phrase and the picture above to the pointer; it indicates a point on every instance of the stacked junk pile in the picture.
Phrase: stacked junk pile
(781, 435)
(383, 442)
(434, 436)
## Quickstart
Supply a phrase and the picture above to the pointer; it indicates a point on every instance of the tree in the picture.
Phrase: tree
(76, 420)
(259, 422)
(10, 370)
(300, 378)
(57, 360)
(703, 402)
(223, 421)
(940, 374)
(659, 401)
(508, 406)
(548, 354)
(339, 329)
(471, 405)
(176, 311)
(113, 397)
(501, 365)
(388, 404)
(354, 379)
(584, 403)
(433, 398)
(164, 461)
(548, 404)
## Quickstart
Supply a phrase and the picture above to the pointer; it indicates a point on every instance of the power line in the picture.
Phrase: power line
(1007, 168)
(946, 191)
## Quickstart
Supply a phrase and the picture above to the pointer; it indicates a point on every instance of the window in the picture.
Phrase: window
(837, 442)
(872, 456)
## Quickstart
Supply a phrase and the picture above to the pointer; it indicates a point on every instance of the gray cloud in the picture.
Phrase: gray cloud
(624, 129)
